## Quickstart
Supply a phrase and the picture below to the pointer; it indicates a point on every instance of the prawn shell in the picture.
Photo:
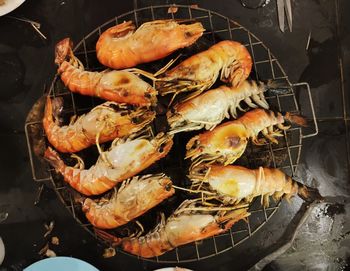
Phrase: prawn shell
(117, 86)
(111, 85)
(104, 119)
(206, 108)
(211, 107)
(236, 183)
(105, 175)
(122, 47)
(180, 229)
(133, 199)
(227, 59)
(227, 142)
(258, 119)
(239, 52)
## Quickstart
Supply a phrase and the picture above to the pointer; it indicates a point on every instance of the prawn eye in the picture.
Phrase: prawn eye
(136, 120)
(202, 170)
(222, 226)
(161, 147)
(188, 34)
(114, 106)
(168, 187)
(195, 143)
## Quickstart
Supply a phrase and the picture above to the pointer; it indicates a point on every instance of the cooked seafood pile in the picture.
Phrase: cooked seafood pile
(111, 192)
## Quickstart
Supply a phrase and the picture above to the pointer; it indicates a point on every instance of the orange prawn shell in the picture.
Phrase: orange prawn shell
(227, 142)
(122, 47)
(176, 232)
(211, 107)
(125, 205)
(226, 137)
(200, 67)
(98, 185)
(152, 158)
(185, 107)
(73, 139)
(239, 52)
(258, 119)
(117, 86)
(236, 183)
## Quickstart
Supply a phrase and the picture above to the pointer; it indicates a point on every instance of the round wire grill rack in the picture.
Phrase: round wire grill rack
(285, 155)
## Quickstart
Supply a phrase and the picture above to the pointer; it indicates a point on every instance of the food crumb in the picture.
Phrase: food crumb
(47, 251)
(109, 252)
(55, 240)
(2, 2)
(172, 9)
(44, 249)
(50, 253)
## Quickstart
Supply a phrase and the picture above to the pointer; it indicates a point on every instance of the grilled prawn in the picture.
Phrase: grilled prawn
(125, 158)
(210, 108)
(117, 86)
(134, 197)
(233, 184)
(189, 223)
(227, 142)
(228, 59)
(103, 123)
(122, 47)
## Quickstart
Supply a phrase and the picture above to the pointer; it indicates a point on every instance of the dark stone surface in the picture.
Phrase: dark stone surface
(26, 66)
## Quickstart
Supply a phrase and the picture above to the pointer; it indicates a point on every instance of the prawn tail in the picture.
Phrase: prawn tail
(295, 119)
(274, 87)
(53, 158)
(107, 237)
(63, 50)
(309, 194)
(48, 119)
(53, 108)
(57, 106)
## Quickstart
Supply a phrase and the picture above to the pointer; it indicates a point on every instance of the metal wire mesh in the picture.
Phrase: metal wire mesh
(285, 155)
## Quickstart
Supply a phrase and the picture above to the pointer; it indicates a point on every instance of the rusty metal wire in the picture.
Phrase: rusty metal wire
(285, 155)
